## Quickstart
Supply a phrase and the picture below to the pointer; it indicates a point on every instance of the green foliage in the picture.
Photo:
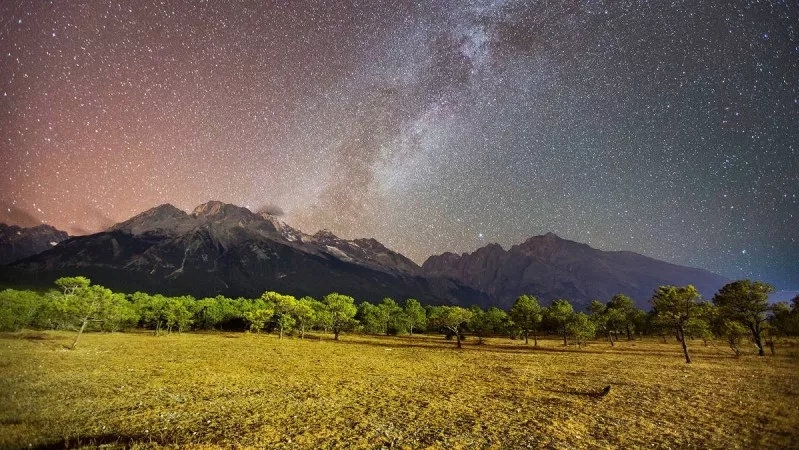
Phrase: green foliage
(283, 307)
(305, 314)
(82, 303)
(159, 313)
(560, 311)
(415, 315)
(746, 302)
(209, 313)
(342, 311)
(120, 314)
(580, 328)
(373, 318)
(600, 318)
(323, 318)
(450, 318)
(18, 309)
(259, 317)
(70, 285)
(177, 313)
(622, 314)
(479, 323)
(488, 322)
(733, 332)
(674, 307)
(396, 320)
(784, 320)
(526, 314)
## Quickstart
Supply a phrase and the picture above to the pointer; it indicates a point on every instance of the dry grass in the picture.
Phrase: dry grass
(238, 390)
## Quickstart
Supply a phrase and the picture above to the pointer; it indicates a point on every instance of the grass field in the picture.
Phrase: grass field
(241, 390)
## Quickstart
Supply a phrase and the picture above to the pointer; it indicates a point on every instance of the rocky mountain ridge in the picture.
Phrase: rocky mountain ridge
(225, 249)
(221, 248)
(18, 242)
(551, 267)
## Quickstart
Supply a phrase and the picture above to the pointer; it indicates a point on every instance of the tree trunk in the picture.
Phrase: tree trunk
(535, 339)
(756, 334)
(610, 338)
(302, 331)
(82, 327)
(457, 336)
(525, 337)
(564, 336)
(684, 345)
(629, 335)
(280, 333)
(335, 334)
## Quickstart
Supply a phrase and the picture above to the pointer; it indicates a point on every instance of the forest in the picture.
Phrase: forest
(738, 312)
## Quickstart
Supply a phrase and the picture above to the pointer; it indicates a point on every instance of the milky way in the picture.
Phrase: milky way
(666, 128)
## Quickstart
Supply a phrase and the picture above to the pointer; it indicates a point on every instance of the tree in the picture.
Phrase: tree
(84, 302)
(621, 310)
(259, 317)
(733, 332)
(208, 313)
(304, 314)
(497, 319)
(373, 318)
(702, 325)
(675, 306)
(120, 314)
(18, 309)
(323, 320)
(561, 311)
(599, 318)
(283, 308)
(526, 314)
(71, 285)
(451, 318)
(784, 320)
(342, 311)
(415, 314)
(745, 301)
(484, 323)
(580, 328)
(396, 322)
(177, 312)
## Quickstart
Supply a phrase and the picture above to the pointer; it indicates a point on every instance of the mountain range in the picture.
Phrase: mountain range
(225, 249)
(17, 242)
(552, 267)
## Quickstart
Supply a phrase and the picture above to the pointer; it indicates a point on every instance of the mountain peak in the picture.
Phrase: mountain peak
(325, 234)
(215, 208)
(492, 248)
(165, 217)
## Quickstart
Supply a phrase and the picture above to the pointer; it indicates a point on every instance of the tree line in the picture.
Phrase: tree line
(739, 311)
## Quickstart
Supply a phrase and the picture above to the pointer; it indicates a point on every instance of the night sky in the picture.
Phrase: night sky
(666, 128)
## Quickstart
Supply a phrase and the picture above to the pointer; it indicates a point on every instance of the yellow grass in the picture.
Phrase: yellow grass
(239, 390)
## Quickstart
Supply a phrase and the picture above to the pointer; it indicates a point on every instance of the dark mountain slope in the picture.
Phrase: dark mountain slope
(551, 267)
(225, 249)
(17, 243)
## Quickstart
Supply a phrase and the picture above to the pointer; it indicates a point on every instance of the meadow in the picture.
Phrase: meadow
(207, 390)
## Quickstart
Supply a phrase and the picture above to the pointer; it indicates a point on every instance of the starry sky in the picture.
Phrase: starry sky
(666, 128)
